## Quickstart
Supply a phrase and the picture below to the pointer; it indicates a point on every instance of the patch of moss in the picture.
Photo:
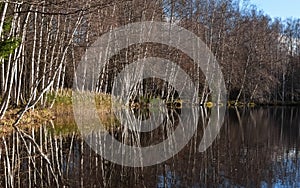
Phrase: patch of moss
(60, 97)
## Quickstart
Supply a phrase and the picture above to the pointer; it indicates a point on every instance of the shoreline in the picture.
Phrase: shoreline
(62, 111)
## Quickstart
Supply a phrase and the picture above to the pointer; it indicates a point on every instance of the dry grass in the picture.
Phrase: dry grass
(61, 114)
(33, 118)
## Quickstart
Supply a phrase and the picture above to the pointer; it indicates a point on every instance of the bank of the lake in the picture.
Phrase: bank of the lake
(59, 109)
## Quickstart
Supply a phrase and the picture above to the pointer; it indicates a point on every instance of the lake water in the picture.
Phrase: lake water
(256, 147)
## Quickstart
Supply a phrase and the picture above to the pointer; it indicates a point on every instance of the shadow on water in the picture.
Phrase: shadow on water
(255, 148)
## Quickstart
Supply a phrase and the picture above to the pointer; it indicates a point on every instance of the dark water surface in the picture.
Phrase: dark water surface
(256, 148)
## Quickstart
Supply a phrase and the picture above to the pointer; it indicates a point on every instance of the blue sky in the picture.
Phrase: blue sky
(279, 8)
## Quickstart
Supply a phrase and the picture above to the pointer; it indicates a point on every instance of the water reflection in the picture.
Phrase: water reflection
(255, 148)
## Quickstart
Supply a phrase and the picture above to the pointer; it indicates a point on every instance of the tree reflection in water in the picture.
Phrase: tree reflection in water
(255, 148)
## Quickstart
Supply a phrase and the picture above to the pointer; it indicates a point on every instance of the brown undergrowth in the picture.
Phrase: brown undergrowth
(58, 112)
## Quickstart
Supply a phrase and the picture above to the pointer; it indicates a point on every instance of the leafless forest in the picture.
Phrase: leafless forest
(42, 43)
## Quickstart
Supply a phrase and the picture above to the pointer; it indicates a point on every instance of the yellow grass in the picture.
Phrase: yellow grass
(61, 114)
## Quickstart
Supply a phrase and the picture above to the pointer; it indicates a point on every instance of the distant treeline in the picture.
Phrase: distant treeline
(42, 43)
